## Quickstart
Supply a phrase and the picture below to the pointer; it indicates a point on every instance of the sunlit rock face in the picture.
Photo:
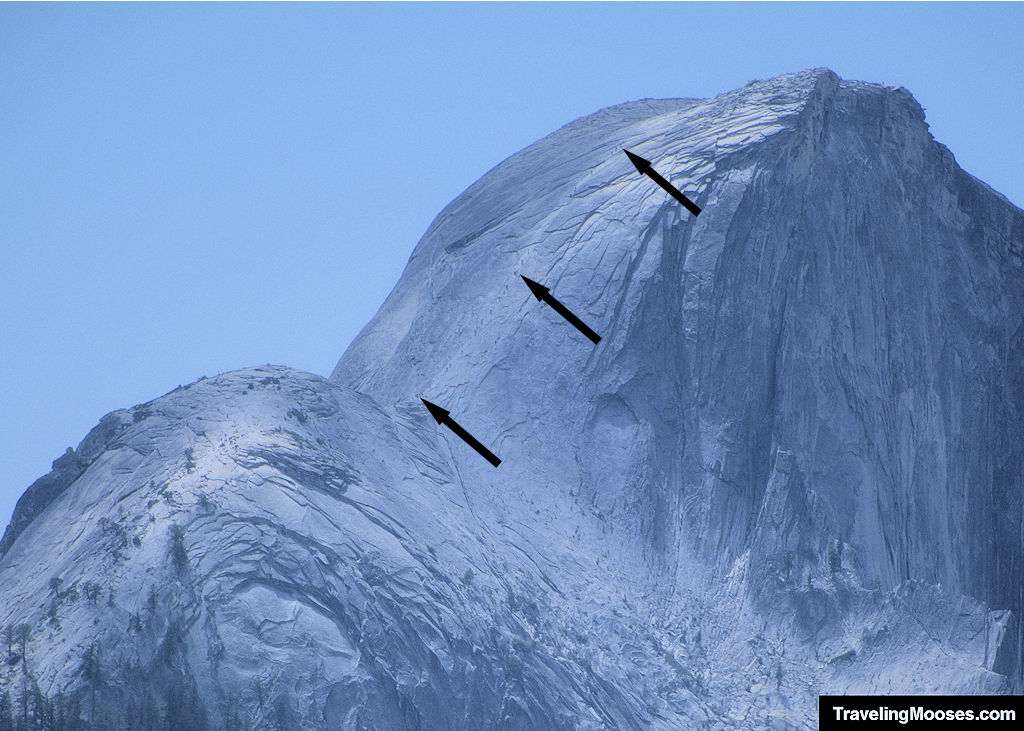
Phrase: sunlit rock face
(792, 465)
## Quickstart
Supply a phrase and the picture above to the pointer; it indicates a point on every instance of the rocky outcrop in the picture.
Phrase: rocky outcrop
(66, 469)
(792, 465)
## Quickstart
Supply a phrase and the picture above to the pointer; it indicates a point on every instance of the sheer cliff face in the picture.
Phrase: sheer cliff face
(845, 316)
(792, 464)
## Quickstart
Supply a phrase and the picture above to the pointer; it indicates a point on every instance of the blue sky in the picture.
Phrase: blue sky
(188, 189)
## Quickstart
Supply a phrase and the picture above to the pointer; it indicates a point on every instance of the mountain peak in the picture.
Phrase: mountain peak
(536, 210)
(792, 466)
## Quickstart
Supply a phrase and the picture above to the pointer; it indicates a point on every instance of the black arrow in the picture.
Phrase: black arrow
(544, 295)
(444, 417)
(644, 166)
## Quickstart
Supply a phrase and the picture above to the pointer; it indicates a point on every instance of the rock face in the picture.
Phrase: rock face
(792, 465)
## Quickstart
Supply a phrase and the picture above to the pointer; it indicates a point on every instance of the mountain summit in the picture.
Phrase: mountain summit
(793, 463)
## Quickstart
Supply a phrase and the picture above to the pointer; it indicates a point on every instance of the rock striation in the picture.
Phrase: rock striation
(794, 464)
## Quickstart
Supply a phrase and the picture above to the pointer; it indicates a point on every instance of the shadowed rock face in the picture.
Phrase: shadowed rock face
(792, 465)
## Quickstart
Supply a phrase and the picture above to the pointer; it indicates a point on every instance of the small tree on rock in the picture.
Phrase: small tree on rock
(177, 550)
(6, 712)
(22, 634)
(9, 639)
(92, 672)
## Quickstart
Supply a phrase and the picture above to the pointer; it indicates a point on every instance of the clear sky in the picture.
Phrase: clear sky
(188, 189)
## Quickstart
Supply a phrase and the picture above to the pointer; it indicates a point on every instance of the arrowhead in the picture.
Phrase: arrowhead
(538, 289)
(641, 164)
(436, 411)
